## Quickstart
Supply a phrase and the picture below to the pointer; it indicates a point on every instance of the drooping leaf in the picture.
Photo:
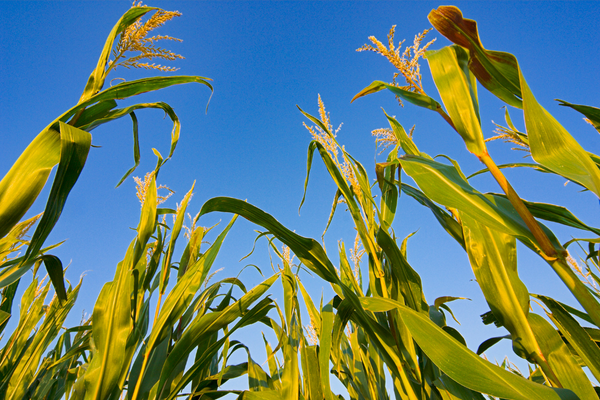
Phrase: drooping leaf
(446, 221)
(55, 272)
(558, 214)
(75, 145)
(496, 71)
(443, 184)
(591, 113)
(412, 97)
(308, 250)
(486, 344)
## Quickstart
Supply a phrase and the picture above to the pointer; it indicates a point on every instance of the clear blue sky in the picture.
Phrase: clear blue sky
(265, 58)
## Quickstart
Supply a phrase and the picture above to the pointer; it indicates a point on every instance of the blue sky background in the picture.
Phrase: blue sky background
(265, 58)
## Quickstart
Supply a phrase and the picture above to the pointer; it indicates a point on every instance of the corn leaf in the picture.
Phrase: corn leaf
(496, 71)
(405, 141)
(47, 332)
(458, 90)
(553, 147)
(461, 364)
(444, 218)
(561, 361)
(24, 181)
(119, 113)
(130, 89)
(409, 282)
(591, 113)
(31, 312)
(182, 294)
(95, 112)
(578, 337)
(175, 230)
(75, 145)
(412, 97)
(308, 250)
(443, 184)
(324, 352)
(537, 167)
(55, 272)
(111, 322)
(311, 372)
(493, 258)
(204, 326)
(558, 214)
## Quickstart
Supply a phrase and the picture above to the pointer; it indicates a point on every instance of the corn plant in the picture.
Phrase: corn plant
(66, 141)
(390, 325)
(156, 336)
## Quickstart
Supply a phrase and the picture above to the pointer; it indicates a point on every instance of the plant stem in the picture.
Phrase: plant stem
(556, 261)
(548, 250)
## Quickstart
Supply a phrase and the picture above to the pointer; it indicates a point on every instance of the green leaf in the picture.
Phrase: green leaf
(309, 251)
(444, 218)
(496, 71)
(412, 97)
(443, 184)
(457, 87)
(560, 359)
(486, 344)
(586, 348)
(175, 231)
(122, 112)
(112, 323)
(55, 272)
(181, 295)
(75, 145)
(325, 345)
(24, 181)
(133, 88)
(204, 326)
(553, 147)
(47, 332)
(97, 111)
(4, 316)
(558, 214)
(148, 216)
(409, 282)
(493, 257)
(311, 373)
(263, 395)
(405, 141)
(464, 366)
(591, 113)
(537, 167)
